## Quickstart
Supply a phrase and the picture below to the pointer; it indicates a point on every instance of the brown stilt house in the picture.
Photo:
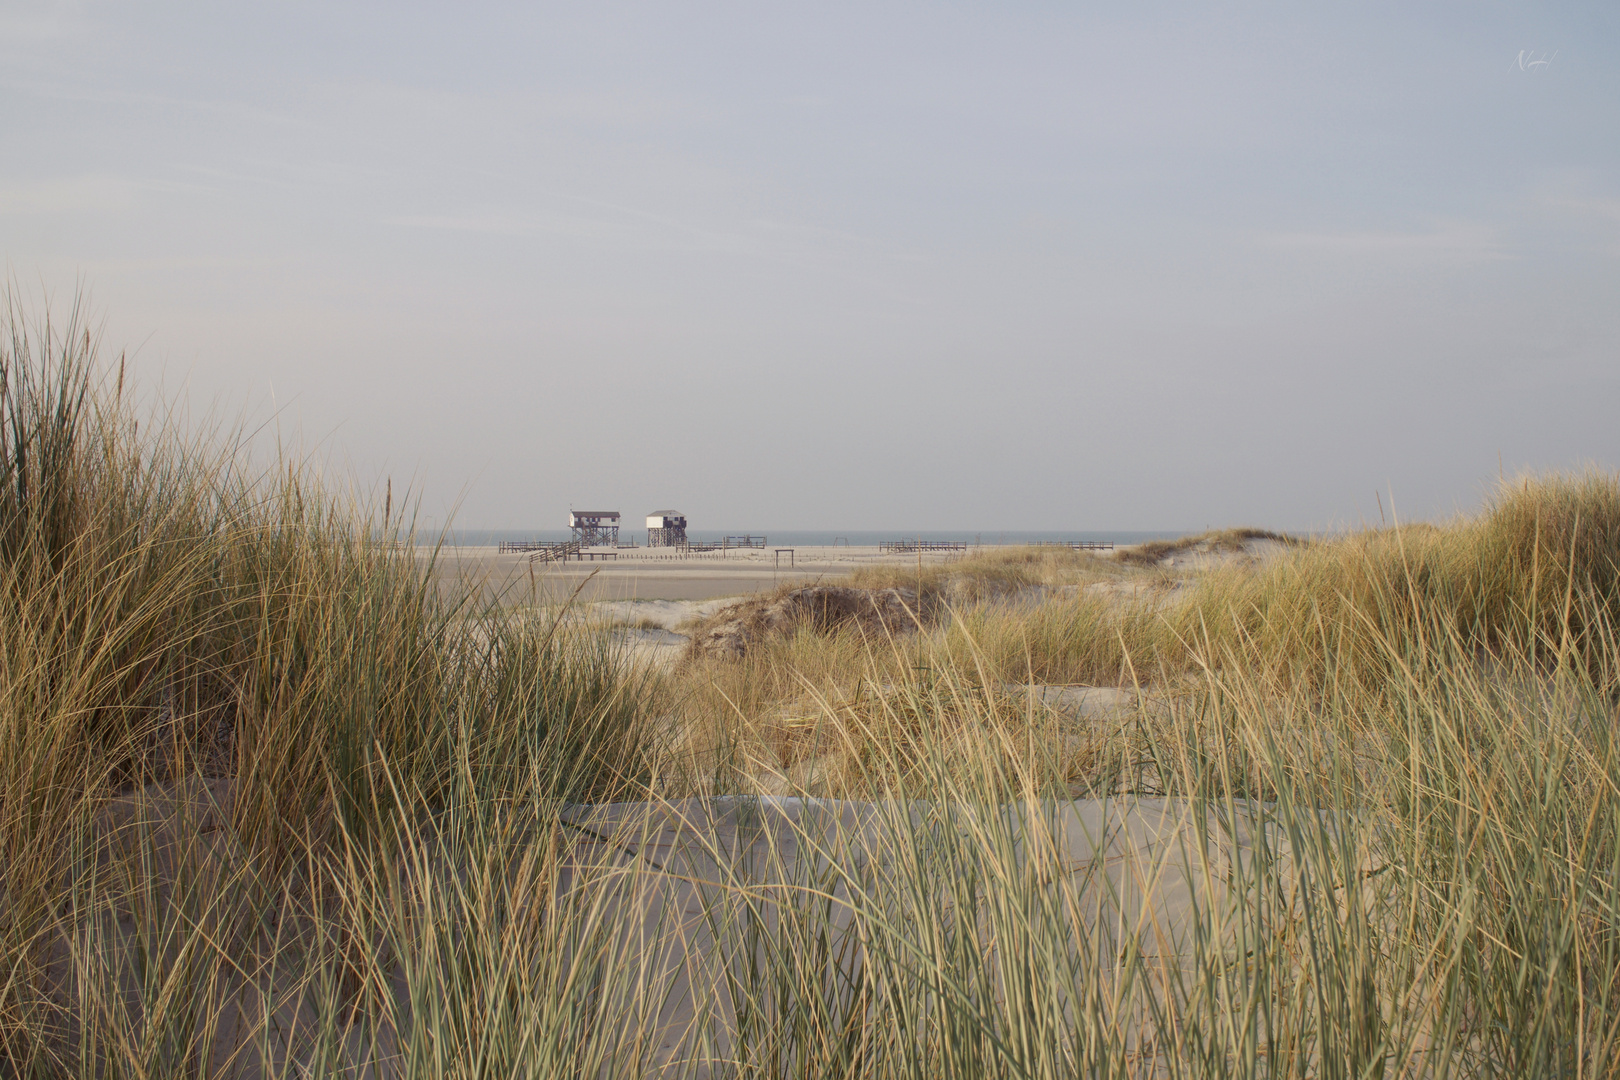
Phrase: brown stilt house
(593, 527)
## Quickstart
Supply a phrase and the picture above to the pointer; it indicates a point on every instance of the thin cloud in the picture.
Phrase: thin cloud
(89, 193)
(45, 24)
(1461, 242)
(67, 89)
(616, 221)
(1607, 209)
(509, 226)
(75, 194)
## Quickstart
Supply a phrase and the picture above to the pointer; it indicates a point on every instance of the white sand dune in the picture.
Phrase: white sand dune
(677, 906)
(820, 887)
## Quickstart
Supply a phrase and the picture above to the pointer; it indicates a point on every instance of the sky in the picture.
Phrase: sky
(875, 265)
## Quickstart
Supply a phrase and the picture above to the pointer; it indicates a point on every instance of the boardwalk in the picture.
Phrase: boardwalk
(544, 553)
(910, 547)
(1078, 545)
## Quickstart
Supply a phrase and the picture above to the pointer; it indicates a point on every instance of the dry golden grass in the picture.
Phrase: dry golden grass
(165, 616)
(271, 804)
(993, 573)
(1311, 615)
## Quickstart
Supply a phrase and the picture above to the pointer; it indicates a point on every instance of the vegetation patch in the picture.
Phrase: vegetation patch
(1218, 542)
(825, 609)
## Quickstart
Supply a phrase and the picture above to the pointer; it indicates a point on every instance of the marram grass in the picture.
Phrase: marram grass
(272, 806)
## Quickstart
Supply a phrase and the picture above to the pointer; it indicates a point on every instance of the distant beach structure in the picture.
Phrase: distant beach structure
(666, 528)
(592, 527)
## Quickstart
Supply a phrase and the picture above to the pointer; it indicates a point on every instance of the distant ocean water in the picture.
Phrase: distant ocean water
(820, 537)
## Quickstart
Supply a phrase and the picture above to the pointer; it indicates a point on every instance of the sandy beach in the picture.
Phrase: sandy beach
(658, 573)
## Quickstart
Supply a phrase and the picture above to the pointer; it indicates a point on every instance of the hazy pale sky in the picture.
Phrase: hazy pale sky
(1027, 266)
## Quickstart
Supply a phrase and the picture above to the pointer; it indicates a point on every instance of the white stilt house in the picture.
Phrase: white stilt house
(666, 528)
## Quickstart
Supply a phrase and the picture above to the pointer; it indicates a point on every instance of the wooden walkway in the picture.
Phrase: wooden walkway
(539, 552)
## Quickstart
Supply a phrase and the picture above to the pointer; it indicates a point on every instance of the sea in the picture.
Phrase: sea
(818, 537)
